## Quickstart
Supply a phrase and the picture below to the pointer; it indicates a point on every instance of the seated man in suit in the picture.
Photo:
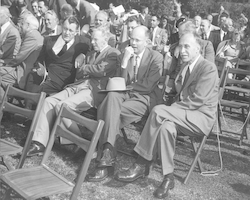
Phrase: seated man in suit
(193, 113)
(10, 39)
(16, 71)
(92, 76)
(159, 36)
(207, 50)
(51, 24)
(43, 6)
(141, 67)
(59, 54)
(209, 35)
(132, 22)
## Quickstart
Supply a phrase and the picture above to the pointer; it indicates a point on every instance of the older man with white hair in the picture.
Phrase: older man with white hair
(15, 71)
(10, 39)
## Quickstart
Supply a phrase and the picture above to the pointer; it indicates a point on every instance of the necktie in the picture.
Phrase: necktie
(136, 67)
(97, 54)
(186, 76)
(204, 37)
(63, 50)
(224, 35)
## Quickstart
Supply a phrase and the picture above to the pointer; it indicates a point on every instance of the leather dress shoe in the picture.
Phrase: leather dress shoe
(108, 159)
(166, 185)
(99, 174)
(133, 173)
(36, 149)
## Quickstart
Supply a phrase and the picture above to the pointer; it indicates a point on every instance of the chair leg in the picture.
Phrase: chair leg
(196, 159)
(195, 152)
(125, 136)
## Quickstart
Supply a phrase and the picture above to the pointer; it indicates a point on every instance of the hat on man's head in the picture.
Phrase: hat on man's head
(116, 84)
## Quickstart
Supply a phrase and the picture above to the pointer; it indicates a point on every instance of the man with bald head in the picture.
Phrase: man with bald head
(193, 113)
(207, 34)
(10, 39)
(16, 70)
(141, 67)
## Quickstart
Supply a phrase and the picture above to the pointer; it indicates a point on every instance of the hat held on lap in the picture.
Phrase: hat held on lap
(116, 84)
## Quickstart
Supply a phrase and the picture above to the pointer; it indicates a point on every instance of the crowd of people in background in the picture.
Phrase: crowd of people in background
(70, 48)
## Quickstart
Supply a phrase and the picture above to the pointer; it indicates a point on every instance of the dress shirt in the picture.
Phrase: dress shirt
(154, 34)
(4, 27)
(222, 34)
(60, 43)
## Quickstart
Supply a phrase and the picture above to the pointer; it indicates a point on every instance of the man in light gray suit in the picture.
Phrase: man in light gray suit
(193, 113)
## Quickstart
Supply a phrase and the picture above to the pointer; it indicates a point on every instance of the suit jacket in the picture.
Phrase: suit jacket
(10, 42)
(23, 62)
(30, 42)
(61, 69)
(56, 6)
(200, 95)
(86, 14)
(145, 21)
(149, 73)
(215, 39)
(160, 39)
(97, 71)
(207, 51)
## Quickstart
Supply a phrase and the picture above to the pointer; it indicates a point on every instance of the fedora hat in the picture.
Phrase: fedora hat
(116, 84)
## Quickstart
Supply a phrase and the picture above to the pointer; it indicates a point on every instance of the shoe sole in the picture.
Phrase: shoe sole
(131, 180)
(97, 180)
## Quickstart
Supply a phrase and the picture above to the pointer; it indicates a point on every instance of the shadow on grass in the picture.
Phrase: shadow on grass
(241, 188)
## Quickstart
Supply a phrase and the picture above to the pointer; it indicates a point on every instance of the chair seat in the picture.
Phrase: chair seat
(234, 104)
(7, 148)
(24, 181)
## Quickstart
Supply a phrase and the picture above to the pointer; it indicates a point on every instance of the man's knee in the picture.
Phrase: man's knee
(158, 109)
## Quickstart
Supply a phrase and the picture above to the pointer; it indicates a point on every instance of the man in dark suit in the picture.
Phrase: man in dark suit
(16, 71)
(92, 76)
(56, 6)
(193, 113)
(43, 6)
(59, 54)
(144, 17)
(10, 39)
(209, 35)
(141, 68)
(85, 13)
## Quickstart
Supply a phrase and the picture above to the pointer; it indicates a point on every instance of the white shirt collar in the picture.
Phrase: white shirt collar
(60, 43)
(78, 5)
(4, 27)
(139, 57)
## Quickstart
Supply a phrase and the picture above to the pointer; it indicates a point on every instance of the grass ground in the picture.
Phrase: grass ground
(232, 183)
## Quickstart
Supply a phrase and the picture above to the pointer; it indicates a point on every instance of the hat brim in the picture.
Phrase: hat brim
(128, 88)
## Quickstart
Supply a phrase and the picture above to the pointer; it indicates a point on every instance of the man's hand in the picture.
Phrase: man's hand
(80, 60)
(128, 53)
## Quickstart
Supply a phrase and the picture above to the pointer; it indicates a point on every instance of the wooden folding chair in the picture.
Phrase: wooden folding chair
(7, 148)
(41, 181)
(236, 95)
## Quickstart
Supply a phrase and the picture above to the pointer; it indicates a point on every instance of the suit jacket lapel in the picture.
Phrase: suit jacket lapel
(193, 74)
(97, 59)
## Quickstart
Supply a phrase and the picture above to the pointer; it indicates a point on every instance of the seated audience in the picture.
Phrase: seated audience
(58, 54)
(144, 16)
(22, 10)
(119, 109)
(51, 24)
(15, 71)
(10, 39)
(193, 114)
(197, 21)
(92, 76)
